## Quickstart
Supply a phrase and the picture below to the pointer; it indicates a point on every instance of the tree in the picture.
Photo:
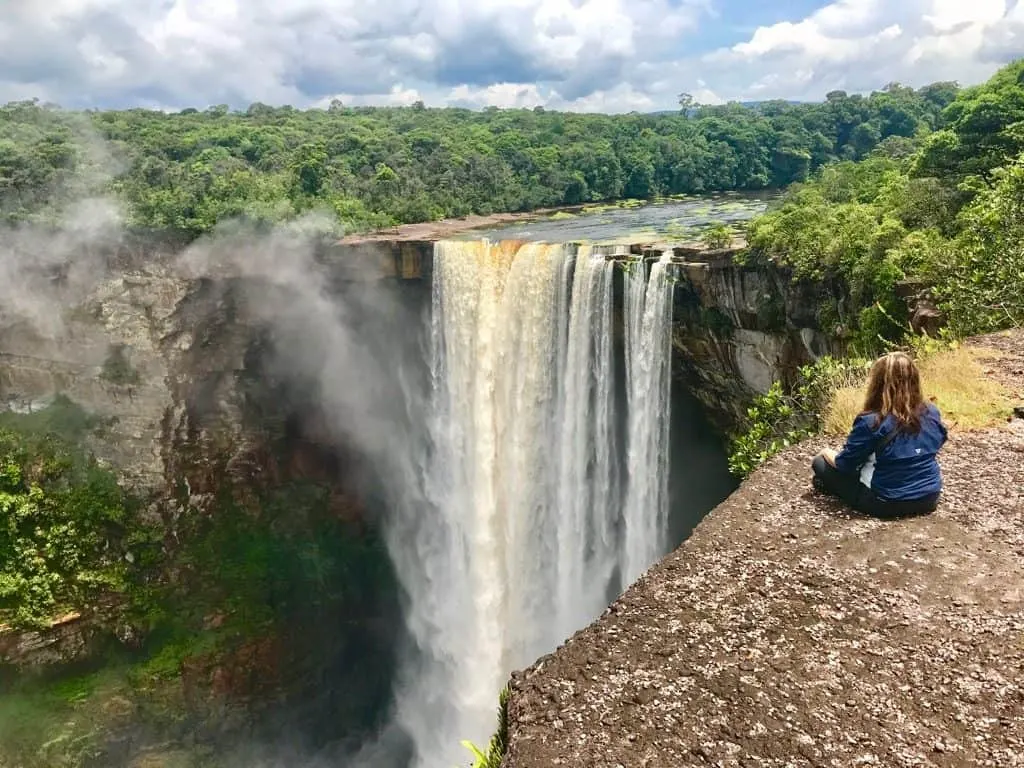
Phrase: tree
(190, 170)
(60, 517)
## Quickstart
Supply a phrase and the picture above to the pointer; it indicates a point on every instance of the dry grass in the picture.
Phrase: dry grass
(953, 379)
(842, 409)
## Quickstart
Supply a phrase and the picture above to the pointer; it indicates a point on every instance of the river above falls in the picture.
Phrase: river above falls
(680, 219)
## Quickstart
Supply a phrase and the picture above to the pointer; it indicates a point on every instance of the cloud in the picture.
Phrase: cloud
(609, 55)
(860, 45)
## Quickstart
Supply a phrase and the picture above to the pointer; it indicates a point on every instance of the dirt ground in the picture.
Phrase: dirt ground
(789, 632)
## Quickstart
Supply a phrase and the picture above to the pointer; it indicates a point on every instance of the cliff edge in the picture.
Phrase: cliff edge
(789, 632)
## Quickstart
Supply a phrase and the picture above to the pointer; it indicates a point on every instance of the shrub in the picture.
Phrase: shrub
(780, 418)
(717, 237)
(61, 520)
(117, 369)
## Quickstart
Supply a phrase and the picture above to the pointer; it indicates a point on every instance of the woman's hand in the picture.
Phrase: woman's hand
(829, 455)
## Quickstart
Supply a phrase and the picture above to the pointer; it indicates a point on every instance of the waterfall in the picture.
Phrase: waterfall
(587, 502)
(649, 384)
(525, 524)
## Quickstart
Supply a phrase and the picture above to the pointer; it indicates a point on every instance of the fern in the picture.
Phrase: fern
(499, 741)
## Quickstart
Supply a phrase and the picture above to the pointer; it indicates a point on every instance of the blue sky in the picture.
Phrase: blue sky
(590, 55)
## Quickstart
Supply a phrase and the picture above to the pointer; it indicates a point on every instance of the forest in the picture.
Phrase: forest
(377, 167)
(938, 220)
(944, 213)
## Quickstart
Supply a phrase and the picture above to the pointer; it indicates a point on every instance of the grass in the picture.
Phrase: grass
(954, 379)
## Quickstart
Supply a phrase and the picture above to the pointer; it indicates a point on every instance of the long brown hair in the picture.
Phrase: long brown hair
(894, 389)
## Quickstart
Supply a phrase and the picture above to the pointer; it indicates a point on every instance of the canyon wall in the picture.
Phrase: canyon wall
(179, 375)
(738, 329)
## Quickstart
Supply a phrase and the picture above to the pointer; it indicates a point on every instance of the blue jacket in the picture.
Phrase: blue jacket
(905, 468)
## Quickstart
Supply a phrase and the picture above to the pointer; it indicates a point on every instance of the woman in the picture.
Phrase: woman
(888, 467)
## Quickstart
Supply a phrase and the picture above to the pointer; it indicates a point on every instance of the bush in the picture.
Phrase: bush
(62, 517)
(980, 280)
(781, 418)
(717, 237)
(117, 369)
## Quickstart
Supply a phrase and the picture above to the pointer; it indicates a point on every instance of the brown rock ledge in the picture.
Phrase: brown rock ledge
(787, 632)
(445, 228)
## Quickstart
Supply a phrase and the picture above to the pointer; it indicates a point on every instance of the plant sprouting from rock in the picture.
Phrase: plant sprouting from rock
(117, 368)
(717, 237)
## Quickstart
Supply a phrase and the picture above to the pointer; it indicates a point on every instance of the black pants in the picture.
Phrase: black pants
(855, 494)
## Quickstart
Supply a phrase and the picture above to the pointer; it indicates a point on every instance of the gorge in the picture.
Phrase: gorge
(509, 417)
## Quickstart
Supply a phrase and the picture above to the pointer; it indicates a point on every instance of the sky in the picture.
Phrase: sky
(582, 55)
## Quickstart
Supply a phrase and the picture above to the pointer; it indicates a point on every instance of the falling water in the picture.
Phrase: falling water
(649, 385)
(587, 502)
(519, 539)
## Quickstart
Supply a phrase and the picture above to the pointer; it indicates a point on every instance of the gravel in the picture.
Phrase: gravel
(788, 631)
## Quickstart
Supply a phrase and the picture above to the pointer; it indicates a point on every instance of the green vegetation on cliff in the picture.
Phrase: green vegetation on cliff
(372, 167)
(63, 520)
(197, 624)
(945, 218)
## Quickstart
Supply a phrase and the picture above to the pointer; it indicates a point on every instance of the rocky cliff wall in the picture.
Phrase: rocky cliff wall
(738, 329)
(243, 482)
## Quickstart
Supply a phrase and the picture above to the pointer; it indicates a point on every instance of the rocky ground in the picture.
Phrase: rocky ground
(788, 632)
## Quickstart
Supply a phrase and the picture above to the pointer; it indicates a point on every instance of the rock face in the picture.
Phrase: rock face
(182, 371)
(786, 631)
(738, 329)
(172, 366)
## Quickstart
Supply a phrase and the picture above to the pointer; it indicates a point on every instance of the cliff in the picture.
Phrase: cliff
(241, 484)
(737, 329)
(787, 631)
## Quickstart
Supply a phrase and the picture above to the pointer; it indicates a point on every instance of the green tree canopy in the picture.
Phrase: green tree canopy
(376, 167)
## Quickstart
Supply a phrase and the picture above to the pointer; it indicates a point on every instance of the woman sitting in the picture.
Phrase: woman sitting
(888, 467)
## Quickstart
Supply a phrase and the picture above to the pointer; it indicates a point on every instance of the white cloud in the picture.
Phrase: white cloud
(504, 95)
(614, 55)
(861, 45)
(398, 96)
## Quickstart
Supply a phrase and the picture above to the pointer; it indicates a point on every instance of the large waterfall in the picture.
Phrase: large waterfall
(542, 498)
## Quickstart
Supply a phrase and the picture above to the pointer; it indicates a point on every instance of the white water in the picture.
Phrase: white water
(649, 383)
(527, 526)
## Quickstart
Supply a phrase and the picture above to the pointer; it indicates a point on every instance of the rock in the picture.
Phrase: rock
(927, 319)
(873, 663)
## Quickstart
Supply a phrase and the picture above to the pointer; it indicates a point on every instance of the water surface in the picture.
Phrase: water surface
(670, 220)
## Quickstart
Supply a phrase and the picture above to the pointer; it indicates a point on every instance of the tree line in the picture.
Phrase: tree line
(375, 167)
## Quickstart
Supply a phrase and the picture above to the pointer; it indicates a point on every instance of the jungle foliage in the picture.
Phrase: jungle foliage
(376, 167)
(944, 218)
